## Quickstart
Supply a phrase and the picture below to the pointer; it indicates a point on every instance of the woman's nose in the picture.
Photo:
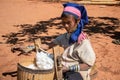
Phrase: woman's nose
(66, 25)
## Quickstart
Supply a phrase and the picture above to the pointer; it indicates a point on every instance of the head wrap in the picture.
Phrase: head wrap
(78, 11)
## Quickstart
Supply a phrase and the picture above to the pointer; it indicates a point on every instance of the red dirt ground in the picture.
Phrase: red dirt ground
(19, 17)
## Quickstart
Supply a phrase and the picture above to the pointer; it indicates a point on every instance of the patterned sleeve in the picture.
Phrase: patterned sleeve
(86, 52)
(58, 40)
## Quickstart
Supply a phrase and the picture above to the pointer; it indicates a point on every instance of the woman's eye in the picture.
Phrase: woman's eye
(64, 23)
(68, 22)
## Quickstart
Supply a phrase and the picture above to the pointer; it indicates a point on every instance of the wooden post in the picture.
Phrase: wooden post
(58, 68)
(102, 0)
(37, 44)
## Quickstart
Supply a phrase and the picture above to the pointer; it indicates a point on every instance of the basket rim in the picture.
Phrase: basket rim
(20, 67)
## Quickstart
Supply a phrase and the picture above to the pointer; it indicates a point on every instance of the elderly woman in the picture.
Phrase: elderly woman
(78, 56)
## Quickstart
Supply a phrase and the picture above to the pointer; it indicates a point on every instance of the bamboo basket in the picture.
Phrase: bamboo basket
(30, 74)
(25, 73)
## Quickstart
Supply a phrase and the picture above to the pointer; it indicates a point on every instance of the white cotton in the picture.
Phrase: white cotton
(43, 62)
(32, 66)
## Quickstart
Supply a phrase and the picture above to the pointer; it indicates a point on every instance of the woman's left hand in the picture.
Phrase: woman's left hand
(64, 69)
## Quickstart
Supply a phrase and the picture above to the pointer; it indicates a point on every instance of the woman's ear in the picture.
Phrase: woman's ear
(78, 20)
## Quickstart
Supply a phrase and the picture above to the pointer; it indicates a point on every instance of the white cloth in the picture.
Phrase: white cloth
(44, 62)
(32, 66)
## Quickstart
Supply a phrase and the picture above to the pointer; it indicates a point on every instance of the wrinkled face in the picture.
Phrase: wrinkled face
(69, 23)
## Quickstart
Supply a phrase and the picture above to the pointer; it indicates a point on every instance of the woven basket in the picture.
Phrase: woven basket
(30, 74)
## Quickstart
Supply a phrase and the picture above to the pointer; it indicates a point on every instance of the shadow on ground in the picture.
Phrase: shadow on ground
(104, 25)
(29, 32)
(108, 26)
(13, 74)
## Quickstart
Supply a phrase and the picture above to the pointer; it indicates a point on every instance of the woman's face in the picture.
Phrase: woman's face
(69, 23)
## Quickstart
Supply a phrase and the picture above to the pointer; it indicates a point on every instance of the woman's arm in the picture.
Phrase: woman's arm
(47, 46)
(84, 67)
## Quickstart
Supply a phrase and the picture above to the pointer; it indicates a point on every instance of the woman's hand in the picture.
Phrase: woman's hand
(84, 67)
(64, 69)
